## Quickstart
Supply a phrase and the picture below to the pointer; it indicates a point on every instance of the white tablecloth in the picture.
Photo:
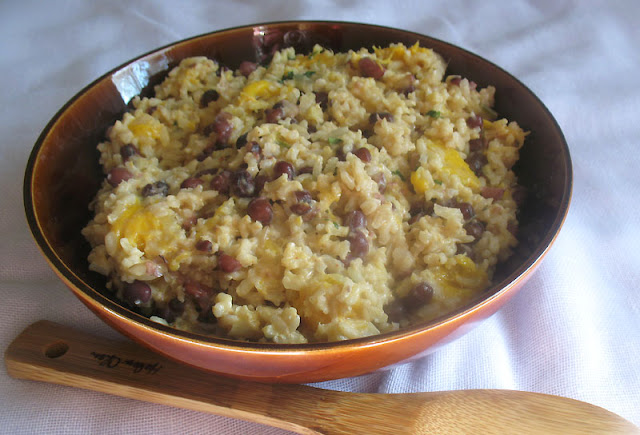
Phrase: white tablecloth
(574, 330)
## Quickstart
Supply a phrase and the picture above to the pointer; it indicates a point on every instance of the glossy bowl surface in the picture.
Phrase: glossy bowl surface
(63, 175)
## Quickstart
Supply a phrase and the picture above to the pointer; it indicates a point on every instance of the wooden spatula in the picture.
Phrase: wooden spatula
(50, 352)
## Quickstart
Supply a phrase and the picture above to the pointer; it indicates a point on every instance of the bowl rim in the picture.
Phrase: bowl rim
(487, 296)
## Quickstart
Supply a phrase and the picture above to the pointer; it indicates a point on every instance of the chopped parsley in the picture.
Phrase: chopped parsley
(335, 224)
(309, 73)
(399, 174)
(313, 53)
(434, 114)
(287, 76)
(283, 143)
(335, 141)
(488, 110)
(438, 182)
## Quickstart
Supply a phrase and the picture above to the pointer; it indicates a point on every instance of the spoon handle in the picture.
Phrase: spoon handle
(46, 351)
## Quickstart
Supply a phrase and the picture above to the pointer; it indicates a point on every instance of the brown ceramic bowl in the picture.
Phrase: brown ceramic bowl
(63, 175)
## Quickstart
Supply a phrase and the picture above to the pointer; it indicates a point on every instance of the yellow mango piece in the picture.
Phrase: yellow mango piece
(420, 181)
(455, 165)
(140, 226)
(259, 89)
(463, 276)
(150, 131)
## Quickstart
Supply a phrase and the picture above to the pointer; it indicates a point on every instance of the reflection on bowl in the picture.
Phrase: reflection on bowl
(63, 176)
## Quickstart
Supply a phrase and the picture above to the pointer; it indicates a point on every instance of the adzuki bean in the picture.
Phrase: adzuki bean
(137, 293)
(260, 210)
(118, 175)
(370, 68)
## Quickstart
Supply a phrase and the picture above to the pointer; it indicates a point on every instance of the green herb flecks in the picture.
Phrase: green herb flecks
(399, 174)
(282, 143)
(434, 114)
(438, 182)
(335, 141)
(313, 53)
(287, 76)
(309, 73)
(489, 111)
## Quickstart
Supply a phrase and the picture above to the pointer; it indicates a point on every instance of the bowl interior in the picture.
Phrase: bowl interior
(63, 173)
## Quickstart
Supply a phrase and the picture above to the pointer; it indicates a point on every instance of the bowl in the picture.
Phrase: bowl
(63, 175)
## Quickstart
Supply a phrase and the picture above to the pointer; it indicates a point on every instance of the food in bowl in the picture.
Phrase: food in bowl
(320, 197)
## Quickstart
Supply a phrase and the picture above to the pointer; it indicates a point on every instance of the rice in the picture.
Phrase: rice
(321, 197)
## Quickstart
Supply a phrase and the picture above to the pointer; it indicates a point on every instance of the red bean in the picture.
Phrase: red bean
(303, 202)
(127, 151)
(209, 96)
(157, 188)
(206, 314)
(166, 314)
(395, 311)
(363, 154)
(474, 229)
(310, 215)
(246, 68)
(408, 90)
(189, 222)
(358, 243)
(195, 289)
(418, 296)
(254, 148)
(228, 264)
(467, 210)
(221, 182)
(474, 121)
(242, 184)
(303, 196)
(306, 170)
(378, 116)
(137, 293)
(191, 183)
(223, 127)
(204, 245)
(199, 293)
(417, 211)
(241, 141)
(355, 219)
(283, 167)
(455, 81)
(370, 68)
(476, 161)
(176, 305)
(205, 153)
(464, 249)
(259, 182)
(172, 310)
(118, 175)
(272, 116)
(477, 145)
(260, 210)
(491, 192)
(322, 98)
(381, 180)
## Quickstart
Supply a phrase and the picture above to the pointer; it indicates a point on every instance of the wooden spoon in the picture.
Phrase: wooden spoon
(49, 352)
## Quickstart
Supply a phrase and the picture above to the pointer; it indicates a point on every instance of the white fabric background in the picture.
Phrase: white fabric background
(574, 330)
